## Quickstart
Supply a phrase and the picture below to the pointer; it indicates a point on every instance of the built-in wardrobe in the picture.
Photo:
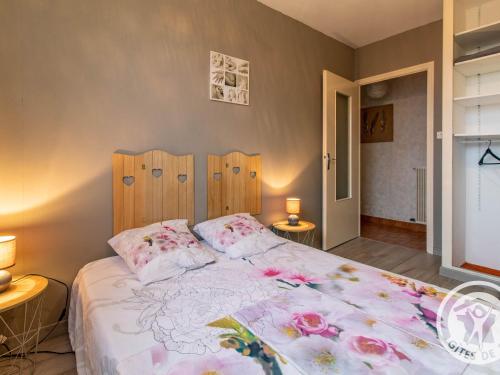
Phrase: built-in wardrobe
(471, 139)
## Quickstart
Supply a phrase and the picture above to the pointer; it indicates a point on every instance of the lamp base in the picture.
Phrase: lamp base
(293, 220)
(5, 279)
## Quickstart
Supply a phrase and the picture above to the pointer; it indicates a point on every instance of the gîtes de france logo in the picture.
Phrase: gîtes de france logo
(469, 323)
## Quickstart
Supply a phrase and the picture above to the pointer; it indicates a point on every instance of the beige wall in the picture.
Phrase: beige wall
(81, 79)
(413, 47)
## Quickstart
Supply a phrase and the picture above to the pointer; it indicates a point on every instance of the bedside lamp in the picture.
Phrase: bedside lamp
(7, 259)
(293, 208)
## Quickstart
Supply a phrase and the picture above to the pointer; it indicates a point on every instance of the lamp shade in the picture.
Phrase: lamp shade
(7, 251)
(293, 205)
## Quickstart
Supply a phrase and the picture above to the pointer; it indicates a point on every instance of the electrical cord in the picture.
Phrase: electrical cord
(25, 355)
(54, 352)
(63, 312)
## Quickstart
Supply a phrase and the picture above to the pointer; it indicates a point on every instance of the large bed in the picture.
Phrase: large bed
(290, 310)
(118, 326)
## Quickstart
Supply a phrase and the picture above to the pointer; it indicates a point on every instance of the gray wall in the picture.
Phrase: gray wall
(413, 47)
(391, 192)
(81, 79)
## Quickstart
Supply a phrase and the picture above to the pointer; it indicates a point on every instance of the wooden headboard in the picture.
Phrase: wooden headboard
(234, 184)
(151, 187)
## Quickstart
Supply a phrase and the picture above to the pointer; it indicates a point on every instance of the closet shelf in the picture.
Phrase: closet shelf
(476, 137)
(479, 36)
(481, 65)
(471, 101)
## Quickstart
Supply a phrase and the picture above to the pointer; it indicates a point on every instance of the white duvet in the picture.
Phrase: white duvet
(114, 318)
(119, 326)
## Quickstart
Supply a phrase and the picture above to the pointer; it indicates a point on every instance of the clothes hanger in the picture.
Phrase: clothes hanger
(491, 153)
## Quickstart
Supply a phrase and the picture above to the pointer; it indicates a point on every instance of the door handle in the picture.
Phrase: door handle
(328, 160)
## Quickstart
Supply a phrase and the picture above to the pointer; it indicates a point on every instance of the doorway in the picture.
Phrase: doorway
(396, 157)
(342, 215)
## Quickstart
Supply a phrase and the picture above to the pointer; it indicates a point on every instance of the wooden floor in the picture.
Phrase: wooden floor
(394, 235)
(48, 363)
(396, 258)
(390, 257)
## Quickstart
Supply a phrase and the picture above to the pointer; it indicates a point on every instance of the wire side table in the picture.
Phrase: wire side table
(24, 298)
(303, 233)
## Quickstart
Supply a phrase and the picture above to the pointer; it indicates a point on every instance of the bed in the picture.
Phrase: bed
(290, 310)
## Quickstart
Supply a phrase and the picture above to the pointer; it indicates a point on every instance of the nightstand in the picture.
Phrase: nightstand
(25, 294)
(303, 232)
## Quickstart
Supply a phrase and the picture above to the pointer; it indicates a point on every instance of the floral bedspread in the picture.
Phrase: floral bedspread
(291, 310)
(319, 334)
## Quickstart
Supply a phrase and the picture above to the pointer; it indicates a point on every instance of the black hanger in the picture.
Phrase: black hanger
(491, 153)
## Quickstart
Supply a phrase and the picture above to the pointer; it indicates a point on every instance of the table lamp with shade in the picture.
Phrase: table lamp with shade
(293, 208)
(7, 259)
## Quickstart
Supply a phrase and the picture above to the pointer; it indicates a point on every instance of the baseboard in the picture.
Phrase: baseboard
(414, 227)
(482, 269)
(466, 275)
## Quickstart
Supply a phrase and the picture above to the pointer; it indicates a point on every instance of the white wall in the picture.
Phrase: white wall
(388, 180)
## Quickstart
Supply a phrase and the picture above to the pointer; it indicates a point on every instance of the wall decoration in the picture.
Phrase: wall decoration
(229, 79)
(377, 124)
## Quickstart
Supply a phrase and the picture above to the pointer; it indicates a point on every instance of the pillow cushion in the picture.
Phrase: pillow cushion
(160, 251)
(238, 235)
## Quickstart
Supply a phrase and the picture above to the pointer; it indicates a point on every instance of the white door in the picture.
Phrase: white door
(340, 160)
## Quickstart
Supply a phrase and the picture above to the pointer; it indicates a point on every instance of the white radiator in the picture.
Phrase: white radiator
(421, 195)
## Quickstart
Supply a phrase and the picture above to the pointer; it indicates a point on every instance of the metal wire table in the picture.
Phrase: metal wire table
(304, 232)
(19, 339)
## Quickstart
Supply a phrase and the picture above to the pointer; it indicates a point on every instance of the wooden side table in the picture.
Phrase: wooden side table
(25, 295)
(303, 233)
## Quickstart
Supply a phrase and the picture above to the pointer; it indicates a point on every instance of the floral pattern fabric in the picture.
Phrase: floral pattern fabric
(239, 235)
(320, 334)
(403, 302)
(160, 251)
(299, 310)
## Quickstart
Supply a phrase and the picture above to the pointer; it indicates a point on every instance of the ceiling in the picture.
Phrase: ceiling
(360, 22)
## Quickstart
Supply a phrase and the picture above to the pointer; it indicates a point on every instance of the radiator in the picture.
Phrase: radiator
(421, 174)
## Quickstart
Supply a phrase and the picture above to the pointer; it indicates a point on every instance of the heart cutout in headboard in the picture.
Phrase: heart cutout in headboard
(182, 178)
(128, 180)
(157, 172)
(234, 178)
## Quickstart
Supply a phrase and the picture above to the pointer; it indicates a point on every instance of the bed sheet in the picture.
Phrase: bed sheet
(183, 325)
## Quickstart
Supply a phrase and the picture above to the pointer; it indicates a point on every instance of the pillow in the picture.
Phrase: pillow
(238, 235)
(160, 251)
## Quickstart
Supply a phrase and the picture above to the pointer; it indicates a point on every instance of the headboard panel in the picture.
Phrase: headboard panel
(234, 184)
(151, 187)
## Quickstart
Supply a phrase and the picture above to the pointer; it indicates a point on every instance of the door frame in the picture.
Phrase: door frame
(427, 67)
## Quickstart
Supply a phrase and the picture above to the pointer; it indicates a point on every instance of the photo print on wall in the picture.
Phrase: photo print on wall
(229, 79)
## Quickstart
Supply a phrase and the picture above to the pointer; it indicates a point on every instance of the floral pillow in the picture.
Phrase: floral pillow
(238, 235)
(160, 251)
